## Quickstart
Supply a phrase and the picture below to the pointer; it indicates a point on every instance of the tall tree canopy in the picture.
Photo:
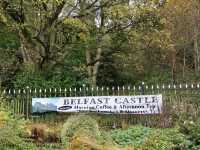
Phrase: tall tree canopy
(98, 42)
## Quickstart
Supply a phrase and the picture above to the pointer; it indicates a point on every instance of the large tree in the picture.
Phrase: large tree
(182, 22)
(49, 31)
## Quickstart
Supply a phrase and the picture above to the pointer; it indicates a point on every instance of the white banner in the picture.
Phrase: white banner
(142, 104)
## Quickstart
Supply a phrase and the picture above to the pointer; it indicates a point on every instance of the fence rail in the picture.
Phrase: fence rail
(178, 100)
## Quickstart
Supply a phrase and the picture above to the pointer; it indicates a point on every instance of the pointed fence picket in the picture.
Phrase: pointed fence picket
(177, 100)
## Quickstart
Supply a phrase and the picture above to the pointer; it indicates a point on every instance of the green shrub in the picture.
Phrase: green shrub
(79, 123)
(144, 138)
(10, 139)
(132, 136)
(192, 131)
(165, 139)
(82, 132)
(12, 131)
(195, 147)
(29, 76)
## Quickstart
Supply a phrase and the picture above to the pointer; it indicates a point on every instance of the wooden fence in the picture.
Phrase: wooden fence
(180, 100)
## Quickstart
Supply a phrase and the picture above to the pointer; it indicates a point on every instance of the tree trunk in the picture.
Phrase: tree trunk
(93, 62)
(25, 50)
(174, 67)
(28, 50)
(184, 62)
(93, 66)
(96, 67)
(89, 65)
(196, 51)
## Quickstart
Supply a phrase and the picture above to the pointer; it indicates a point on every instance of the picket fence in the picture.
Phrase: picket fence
(179, 101)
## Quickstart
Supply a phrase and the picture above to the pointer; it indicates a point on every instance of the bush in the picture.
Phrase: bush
(143, 138)
(12, 131)
(165, 139)
(132, 136)
(29, 76)
(81, 132)
(10, 139)
(78, 123)
(41, 133)
(81, 141)
(192, 131)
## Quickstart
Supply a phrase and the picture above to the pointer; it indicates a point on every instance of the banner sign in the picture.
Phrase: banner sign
(142, 104)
